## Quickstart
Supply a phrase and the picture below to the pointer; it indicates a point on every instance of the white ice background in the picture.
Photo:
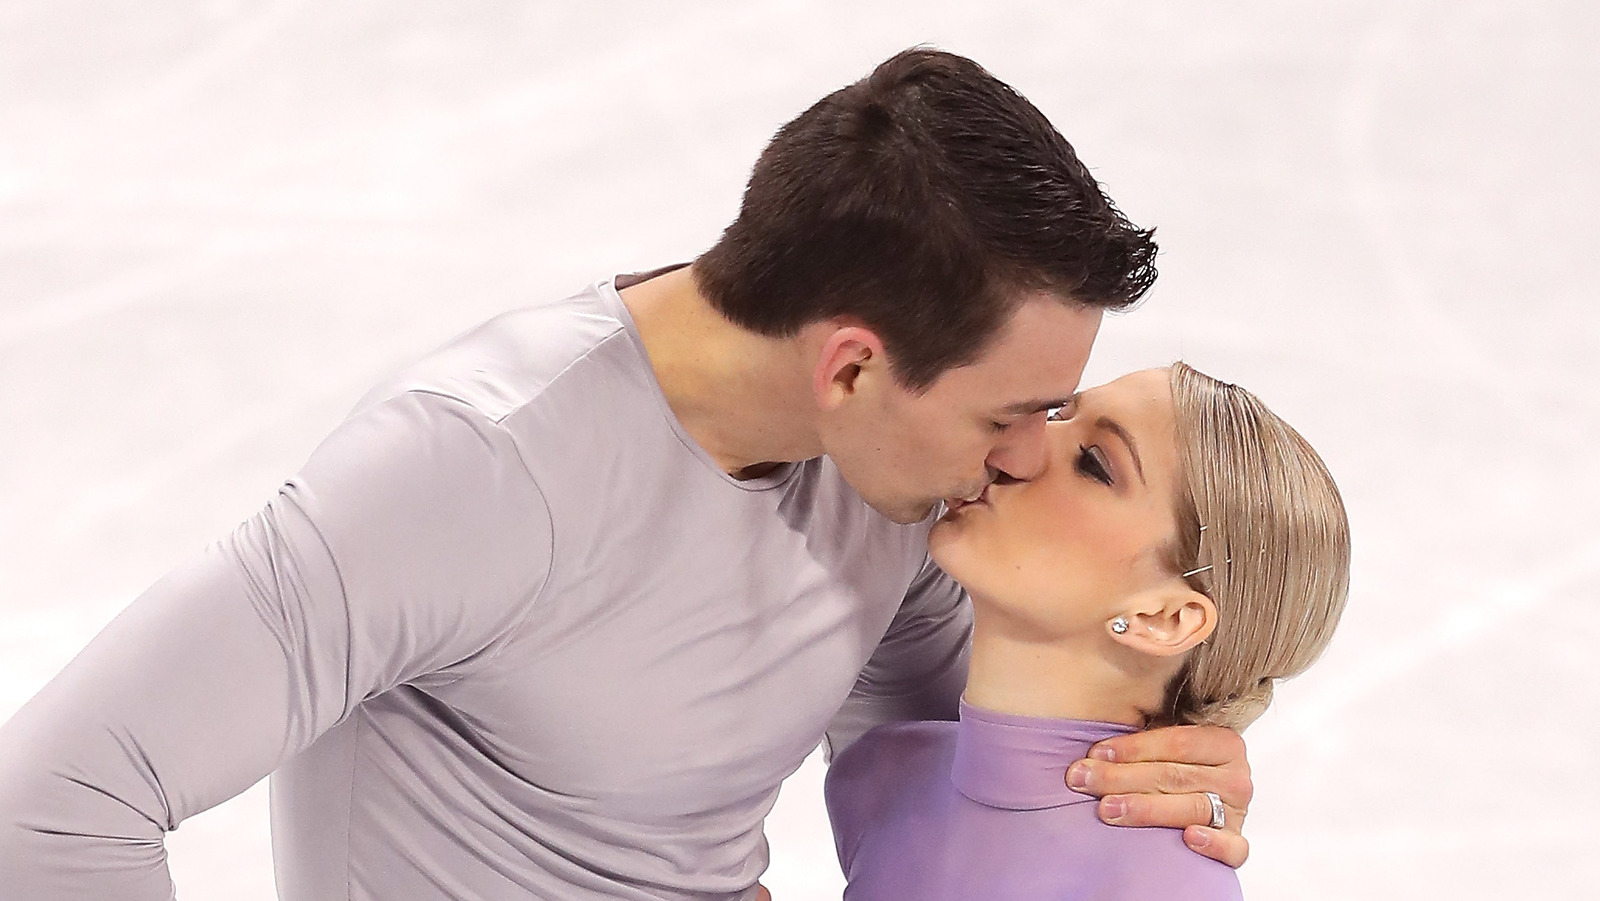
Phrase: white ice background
(221, 221)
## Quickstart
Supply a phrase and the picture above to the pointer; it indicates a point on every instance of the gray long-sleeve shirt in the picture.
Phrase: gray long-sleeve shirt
(509, 634)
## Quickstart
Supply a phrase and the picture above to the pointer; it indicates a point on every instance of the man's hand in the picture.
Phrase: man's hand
(1158, 778)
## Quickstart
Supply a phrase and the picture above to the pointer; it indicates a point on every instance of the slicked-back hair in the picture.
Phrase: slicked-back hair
(924, 200)
(1274, 555)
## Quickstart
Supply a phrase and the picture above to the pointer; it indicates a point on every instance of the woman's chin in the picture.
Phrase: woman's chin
(945, 529)
(945, 540)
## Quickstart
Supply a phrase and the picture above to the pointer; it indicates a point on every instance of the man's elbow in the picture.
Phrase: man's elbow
(27, 851)
(63, 838)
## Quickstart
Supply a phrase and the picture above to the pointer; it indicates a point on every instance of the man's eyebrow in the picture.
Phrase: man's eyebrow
(1024, 407)
(1115, 428)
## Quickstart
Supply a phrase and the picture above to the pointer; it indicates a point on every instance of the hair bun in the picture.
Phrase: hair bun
(1236, 711)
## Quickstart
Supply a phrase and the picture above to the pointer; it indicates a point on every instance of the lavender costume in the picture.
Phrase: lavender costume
(979, 809)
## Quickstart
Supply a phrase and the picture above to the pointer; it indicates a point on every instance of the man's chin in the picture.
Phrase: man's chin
(907, 514)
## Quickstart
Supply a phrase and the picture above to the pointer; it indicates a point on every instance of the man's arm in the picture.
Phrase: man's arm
(179, 704)
(1159, 778)
(1153, 778)
(919, 668)
(385, 560)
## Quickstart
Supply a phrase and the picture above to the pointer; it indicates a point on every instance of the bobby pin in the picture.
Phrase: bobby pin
(1196, 572)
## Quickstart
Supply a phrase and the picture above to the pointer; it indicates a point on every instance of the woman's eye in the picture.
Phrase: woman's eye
(1091, 464)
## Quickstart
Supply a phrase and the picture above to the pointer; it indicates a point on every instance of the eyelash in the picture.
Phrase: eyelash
(1090, 464)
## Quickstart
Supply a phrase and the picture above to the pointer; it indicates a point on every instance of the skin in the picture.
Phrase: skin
(907, 452)
(1050, 562)
(754, 402)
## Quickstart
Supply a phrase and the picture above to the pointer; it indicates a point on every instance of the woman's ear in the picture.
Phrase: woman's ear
(846, 350)
(1165, 622)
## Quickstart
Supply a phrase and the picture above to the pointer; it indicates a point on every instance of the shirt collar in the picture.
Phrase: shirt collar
(1020, 762)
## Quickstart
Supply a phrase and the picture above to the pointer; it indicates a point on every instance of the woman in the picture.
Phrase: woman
(1182, 550)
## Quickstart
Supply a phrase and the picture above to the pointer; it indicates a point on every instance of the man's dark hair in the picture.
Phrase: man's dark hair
(923, 200)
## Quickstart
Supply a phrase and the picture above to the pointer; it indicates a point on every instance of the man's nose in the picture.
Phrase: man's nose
(1021, 452)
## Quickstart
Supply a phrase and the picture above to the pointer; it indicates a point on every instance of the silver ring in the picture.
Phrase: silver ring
(1219, 816)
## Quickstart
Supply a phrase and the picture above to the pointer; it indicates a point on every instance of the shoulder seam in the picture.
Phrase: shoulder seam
(533, 396)
(521, 619)
(609, 337)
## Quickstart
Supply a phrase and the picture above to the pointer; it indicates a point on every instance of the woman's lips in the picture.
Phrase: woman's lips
(958, 504)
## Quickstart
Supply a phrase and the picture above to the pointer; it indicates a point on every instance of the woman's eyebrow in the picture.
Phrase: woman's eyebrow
(1115, 428)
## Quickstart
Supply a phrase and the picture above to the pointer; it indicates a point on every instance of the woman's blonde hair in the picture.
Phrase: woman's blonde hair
(1260, 516)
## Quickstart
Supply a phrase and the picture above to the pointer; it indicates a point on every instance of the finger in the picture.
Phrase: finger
(1223, 847)
(1205, 745)
(762, 894)
(1175, 811)
(1095, 777)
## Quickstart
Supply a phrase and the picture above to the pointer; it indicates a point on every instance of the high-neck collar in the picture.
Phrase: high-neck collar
(1020, 762)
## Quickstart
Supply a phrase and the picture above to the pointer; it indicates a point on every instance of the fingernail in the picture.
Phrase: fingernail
(1078, 776)
(1113, 809)
(1197, 838)
(1103, 753)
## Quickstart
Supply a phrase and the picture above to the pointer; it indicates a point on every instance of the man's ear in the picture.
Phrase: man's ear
(1166, 622)
(847, 352)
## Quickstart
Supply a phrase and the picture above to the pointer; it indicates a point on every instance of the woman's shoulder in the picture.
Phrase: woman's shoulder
(895, 747)
(871, 781)
(1139, 863)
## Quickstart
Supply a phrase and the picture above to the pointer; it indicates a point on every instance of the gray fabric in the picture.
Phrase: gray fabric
(509, 634)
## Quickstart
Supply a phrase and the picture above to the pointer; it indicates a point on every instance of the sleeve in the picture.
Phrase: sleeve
(919, 669)
(410, 545)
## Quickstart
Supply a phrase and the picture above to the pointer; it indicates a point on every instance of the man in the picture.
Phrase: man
(554, 612)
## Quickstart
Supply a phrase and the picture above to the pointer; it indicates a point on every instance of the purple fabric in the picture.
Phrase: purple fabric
(980, 810)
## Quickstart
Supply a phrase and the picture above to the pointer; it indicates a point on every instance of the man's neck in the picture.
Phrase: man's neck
(743, 397)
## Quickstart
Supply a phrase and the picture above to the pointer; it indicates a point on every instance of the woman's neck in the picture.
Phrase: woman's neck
(1073, 678)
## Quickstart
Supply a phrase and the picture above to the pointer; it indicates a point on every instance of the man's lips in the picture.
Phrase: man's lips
(960, 503)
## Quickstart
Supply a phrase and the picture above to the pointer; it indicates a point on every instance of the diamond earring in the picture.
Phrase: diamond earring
(1119, 625)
